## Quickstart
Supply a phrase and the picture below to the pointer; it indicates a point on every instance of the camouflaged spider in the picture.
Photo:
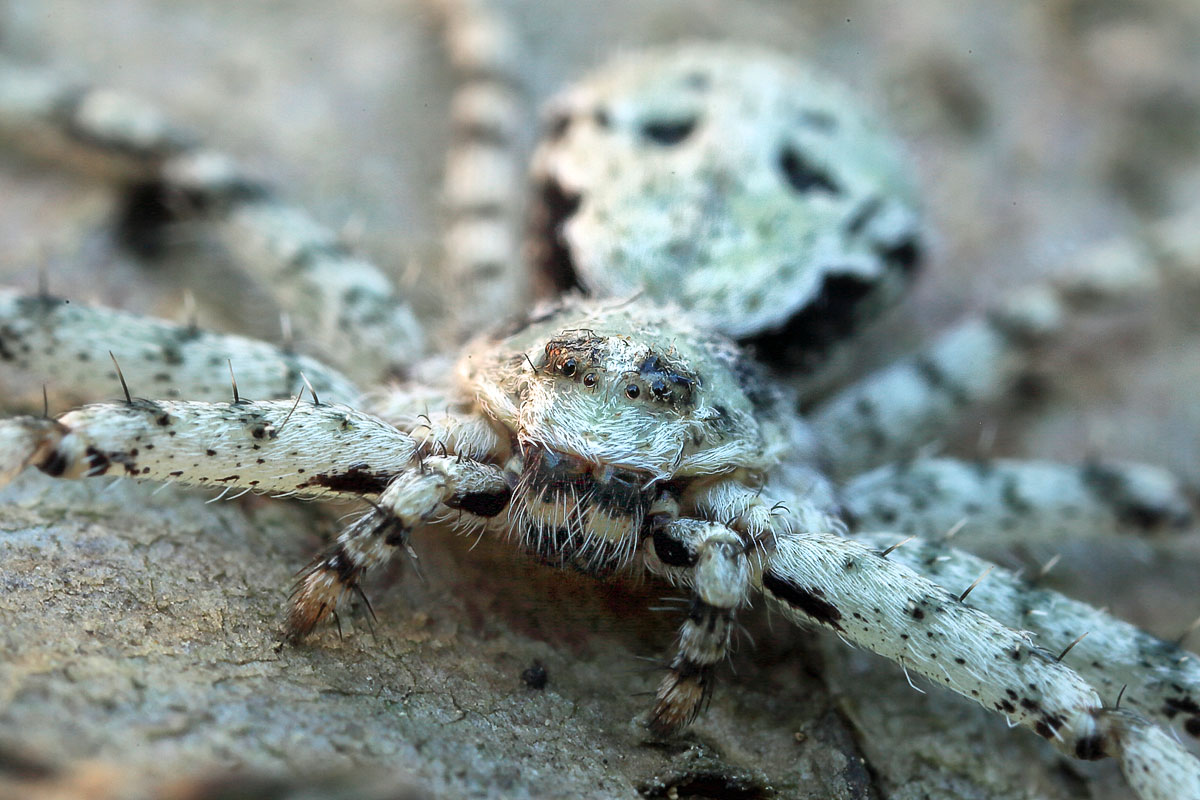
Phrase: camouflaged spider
(612, 434)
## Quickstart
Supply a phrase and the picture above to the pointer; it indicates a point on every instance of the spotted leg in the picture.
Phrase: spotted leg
(816, 577)
(483, 187)
(1155, 678)
(890, 414)
(709, 558)
(347, 304)
(275, 446)
(47, 341)
(465, 493)
(714, 554)
(997, 502)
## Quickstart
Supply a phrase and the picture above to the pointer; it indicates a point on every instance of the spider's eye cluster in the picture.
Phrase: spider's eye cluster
(567, 364)
(660, 382)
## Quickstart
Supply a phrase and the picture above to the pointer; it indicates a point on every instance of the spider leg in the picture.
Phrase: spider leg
(483, 187)
(888, 415)
(347, 303)
(274, 446)
(710, 558)
(67, 346)
(466, 493)
(995, 502)
(817, 577)
(1161, 679)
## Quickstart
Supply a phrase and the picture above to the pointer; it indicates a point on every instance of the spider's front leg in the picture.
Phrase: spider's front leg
(1153, 677)
(297, 449)
(277, 446)
(711, 559)
(720, 562)
(819, 578)
(467, 493)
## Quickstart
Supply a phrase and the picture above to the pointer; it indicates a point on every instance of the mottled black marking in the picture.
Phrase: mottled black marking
(804, 176)
(1110, 487)
(552, 207)
(1090, 748)
(149, 208)
(668, 132)
(97, 461)
(339, 562)
(755, 383)
(358, 479)
(810, 602)
(1010, 494)
(668, 384)
(55, 464)
(481, 504)
(839, 308)
(557, 126)
(671, 551)
(904, 257)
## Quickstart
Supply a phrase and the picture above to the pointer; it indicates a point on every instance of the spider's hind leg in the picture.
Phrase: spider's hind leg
(345, 303)
(998, 502)
(890, 414)
(484, 185)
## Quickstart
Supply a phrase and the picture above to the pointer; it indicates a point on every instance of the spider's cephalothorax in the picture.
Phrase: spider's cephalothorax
(614, 410)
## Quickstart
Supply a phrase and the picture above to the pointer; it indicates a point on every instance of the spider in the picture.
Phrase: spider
(709, 423)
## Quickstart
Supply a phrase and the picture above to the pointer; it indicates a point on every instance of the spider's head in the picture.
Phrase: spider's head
(609, 405)
(634, 387)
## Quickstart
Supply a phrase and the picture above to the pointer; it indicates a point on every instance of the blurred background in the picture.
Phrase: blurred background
(138, 630)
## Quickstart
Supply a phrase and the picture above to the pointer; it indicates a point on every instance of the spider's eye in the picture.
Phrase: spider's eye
(568, 367)
(659, 389)
(589, 380)
(632, 391)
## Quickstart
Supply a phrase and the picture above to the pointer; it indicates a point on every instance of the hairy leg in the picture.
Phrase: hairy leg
(710, 558)
(345, 303)
(1156, 678)
(275, 446)
(1001, 501)
(819, 578)
(66, 347)
(484, 186)
(889, 415)
(442, 488)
